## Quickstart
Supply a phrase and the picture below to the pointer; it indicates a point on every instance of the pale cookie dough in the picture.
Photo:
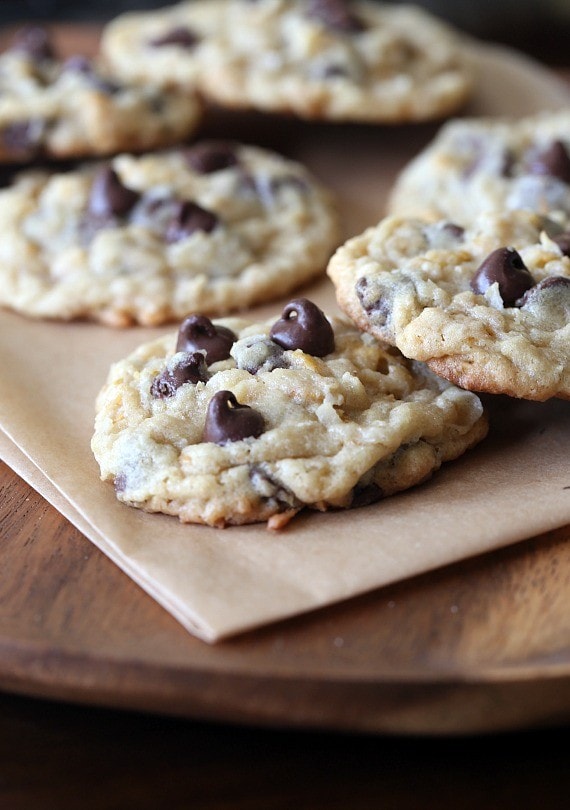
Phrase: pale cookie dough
(482, 164)
(487, 321)
(217, 227)
(325, 59)
(339, 430)
(75, 108)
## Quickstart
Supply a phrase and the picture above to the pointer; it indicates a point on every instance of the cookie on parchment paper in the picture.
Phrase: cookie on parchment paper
(234, 422)
(487, 307)
(322, 59)
(217, 226)
(483, 164)
(53, 108)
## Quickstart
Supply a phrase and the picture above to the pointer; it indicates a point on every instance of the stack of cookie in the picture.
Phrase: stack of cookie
(231, 421)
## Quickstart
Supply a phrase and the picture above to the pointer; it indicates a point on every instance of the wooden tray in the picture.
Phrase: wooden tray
(479, 646)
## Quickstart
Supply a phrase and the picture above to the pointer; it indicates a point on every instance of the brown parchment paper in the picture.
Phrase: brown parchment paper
(515, 485)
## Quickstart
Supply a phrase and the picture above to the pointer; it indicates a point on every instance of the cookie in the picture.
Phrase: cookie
(324, 59)
(143, 240)
(487, 307)
(75, 108)
(231, 422)
(481, 164)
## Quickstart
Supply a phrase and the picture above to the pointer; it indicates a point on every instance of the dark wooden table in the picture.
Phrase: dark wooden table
(60, 755)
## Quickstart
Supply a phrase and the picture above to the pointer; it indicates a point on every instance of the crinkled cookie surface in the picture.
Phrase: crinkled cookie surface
(216, 227)
(260, 429)
(328, 59)
(481, 164)
(76, 108)
(487, 307)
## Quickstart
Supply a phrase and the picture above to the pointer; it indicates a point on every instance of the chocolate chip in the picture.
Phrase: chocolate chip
(180, 36)
(6, 176)
(109, 197)
(84, 66)
(505, 267)
(198, 332)
(212, 156)
(189, 218)
(454, 230)
(563, 242)
(366, 495)
(335, 14)
(228, 421)
(189, 367)
(23, 138)
(34, 41)
(304, 326)
(553, 161)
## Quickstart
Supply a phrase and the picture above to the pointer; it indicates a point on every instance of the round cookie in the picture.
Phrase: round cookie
(233, 422)
(482, 164)
(76, 108)
(324, 59)
(217, 226)
(487, 307)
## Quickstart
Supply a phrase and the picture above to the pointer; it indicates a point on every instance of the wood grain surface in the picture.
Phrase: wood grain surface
(479, 646)
(476, 647)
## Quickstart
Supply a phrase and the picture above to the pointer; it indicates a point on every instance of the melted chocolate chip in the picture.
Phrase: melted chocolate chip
(23, 138)
(109, 197)
(563, 242)
(258, 353)
(228, 421)
(180, 36)
(212, 156)
(270, 489)
(304, 326)
(333, 71)
(189, 218)
(78, 64)
(198, 332)
(268, 188)
(34, 41)
(120, 482)
(560, 285)
(336, 15)
(505, 267)
(499, 162)
(189, 368)
(553, 161)
(366, 495)
(371, 303)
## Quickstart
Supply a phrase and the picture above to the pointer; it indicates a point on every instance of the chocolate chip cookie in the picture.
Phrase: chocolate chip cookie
(324, 59)
(216, 226)
(75, 108)
(482, 164)
(487, 307)
(230, 422)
